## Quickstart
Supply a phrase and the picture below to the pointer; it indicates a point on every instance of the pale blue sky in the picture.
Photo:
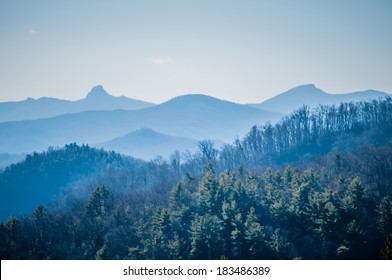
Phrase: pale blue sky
(240, 50)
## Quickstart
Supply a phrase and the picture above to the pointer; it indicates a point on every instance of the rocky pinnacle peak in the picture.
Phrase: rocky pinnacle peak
(97, 92)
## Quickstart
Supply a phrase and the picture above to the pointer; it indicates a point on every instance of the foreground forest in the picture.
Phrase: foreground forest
(315, 185)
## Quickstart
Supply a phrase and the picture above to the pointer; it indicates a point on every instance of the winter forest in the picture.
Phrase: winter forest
(315, 185)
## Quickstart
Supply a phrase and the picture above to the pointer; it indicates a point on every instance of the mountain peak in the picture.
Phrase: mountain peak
(309, 86)
(97, 92)
(304, 91)
(313, 96)
(305, 87)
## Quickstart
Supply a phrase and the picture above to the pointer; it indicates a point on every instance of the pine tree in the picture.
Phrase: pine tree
(384, 219)
(354, 198)
(11, 239)
(161, 234)
(97, 210)
(255, 237)
(100, 203)
(40, 231)
(182, 210)
(210, 193)
(238, 237)
(207, 237)
(279, 245)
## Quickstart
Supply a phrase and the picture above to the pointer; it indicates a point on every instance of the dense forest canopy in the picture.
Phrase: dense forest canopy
(315, 185)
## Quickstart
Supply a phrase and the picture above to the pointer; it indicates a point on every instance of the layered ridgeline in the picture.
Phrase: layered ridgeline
(103, 120)
(315, 185)
(45, 107)
(191, 116)
(312, 96)
(148, 144)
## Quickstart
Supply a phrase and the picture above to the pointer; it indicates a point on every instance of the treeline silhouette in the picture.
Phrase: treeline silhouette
(316, 185)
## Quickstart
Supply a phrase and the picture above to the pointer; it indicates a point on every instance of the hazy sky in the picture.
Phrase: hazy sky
(240, 50)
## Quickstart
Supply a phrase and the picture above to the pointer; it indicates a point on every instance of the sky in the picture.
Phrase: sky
(245, 51)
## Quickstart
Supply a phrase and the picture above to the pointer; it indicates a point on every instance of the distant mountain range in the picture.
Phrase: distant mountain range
(143, 129)
(96, 99)
(192, 116)
(312, 96)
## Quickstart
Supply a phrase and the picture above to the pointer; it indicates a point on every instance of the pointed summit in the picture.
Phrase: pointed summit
(98, 92)
(99, 99)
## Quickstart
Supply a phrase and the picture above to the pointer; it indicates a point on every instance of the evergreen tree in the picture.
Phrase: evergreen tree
(161, 234)
(11, 239)
(210, 194)
(353, 201)
(98, 210)
(40, 232)
(255, 237)
(384, 218)
(208, 241)
(100, 202)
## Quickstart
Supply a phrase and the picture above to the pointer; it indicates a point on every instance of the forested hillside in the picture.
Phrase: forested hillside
(41, 176)
(316, 185)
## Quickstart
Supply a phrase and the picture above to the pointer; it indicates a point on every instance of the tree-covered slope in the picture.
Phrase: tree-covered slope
(40, 177)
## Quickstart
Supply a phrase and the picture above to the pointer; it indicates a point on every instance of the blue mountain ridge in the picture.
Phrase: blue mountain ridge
(312, 96)
(44, 107)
